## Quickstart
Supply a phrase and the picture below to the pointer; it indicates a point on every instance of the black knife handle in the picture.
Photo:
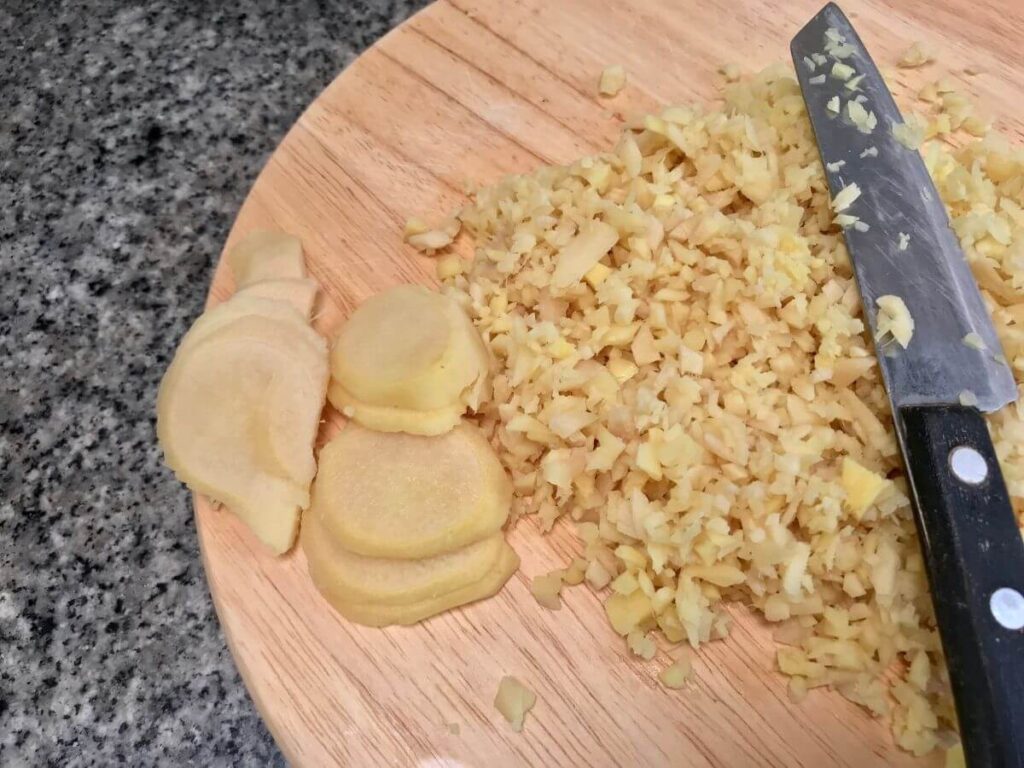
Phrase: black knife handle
(972, 548)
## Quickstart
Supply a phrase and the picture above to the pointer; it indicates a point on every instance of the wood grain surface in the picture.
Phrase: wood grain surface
(469, 90)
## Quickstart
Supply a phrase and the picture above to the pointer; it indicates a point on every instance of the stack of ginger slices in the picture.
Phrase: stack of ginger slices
(405, 517)
(410, 500)
(240, 405)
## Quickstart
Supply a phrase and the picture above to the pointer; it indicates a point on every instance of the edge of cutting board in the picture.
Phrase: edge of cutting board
(473, 89)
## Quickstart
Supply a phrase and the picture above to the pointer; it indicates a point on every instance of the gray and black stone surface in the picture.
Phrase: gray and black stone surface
(129, 136)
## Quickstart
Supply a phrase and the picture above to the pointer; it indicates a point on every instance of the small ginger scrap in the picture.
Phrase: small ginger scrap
(678, 672)
(910, 133)
(974, 341)
(917, 55)
(613, 80)
(547, 589)
(842, 71)
(513, 701)
(845, 198)
(894, 320)
(862, 486)
(863, 119)
(428, 239)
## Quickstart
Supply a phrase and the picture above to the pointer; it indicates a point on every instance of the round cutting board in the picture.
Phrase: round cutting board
(466, 91)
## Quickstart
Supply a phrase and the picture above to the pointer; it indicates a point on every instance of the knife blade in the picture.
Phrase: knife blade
(898, 198)
(900, 244)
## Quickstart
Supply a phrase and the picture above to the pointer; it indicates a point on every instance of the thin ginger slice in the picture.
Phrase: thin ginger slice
(434, 421)
(299, 293)
(381, 615)
(387, 581)
(291, 422)
(266, 255)
(237, 415)
(407, 348)
(406, 496)
(386, 419)
(241, 305)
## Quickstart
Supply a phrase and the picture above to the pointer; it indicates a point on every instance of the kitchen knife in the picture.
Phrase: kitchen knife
(900, 243)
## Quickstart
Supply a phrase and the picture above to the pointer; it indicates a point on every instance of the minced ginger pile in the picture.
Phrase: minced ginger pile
(704, 399)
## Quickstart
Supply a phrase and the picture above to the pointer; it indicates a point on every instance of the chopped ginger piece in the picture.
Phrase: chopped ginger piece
(862, 486)
(929, 93)
(917, 55)
(583, 252)
(853, 84)
(974, 341)
(427, 240)
(861, 117)
(547, 589)
(642, 644)
(449, 265)
(845, 198)
(627, 612)
(597, 274)
(513, 701)
(676, 674)
(613, 80)
(842, 71)
(894, 318)
(575, 572)
(909, 133)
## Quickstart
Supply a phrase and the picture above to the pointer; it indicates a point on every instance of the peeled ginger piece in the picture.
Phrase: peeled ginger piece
(513, 701)
(243, 305)
(266, 255)
(360, 579)
(409, 348)
(382, 614)
(862, 486)
(382, 418)
(391, 494)
(298, 293)
(237, 414)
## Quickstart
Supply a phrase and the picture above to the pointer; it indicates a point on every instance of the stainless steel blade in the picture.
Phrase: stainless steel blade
(898, 198)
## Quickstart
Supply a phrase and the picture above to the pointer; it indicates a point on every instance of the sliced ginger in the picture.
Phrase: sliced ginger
(299, 293)
(385, 419)
(381, 614)
(409, 351)
(239, 408)
(265, 255)
(243, 305)
(237, 414)
(405, 496)
(359, 579)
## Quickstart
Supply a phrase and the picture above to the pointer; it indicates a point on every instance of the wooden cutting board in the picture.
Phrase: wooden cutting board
(469, 90)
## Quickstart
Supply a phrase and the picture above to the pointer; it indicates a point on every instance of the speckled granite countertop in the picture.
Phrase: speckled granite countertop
(129, 135)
